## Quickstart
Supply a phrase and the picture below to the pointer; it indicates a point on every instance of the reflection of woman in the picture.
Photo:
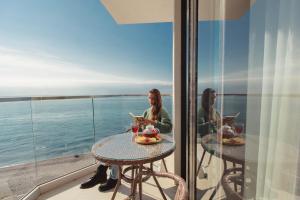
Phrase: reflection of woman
(156, 115)
(208, 117)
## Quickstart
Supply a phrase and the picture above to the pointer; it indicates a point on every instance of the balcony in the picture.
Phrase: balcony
(53, 138)
(50, 137)
(205, 187)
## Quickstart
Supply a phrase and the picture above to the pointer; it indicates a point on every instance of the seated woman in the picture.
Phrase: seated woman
(208, 117)
(157, 116)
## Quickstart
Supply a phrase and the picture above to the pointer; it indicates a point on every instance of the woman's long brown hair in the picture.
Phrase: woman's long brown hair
(157, 103)
(207, 103)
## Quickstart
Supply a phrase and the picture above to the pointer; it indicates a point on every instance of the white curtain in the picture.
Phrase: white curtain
(274, 83)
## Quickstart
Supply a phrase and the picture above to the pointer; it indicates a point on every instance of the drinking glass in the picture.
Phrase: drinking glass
(135, 128)
(239, 128)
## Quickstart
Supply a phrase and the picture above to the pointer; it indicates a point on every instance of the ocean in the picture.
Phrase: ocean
(44, 129)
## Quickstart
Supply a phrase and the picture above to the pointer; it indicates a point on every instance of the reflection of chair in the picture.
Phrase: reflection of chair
(233, 176)
(201, 162)
(181, 193)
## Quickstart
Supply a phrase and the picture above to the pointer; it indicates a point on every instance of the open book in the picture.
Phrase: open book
(136, 117)
(232, 116)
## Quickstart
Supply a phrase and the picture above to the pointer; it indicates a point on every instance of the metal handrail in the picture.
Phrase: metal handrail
(11, 99)
(39, 98)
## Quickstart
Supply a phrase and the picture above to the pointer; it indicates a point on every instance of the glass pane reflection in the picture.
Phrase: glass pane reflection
(255, 72)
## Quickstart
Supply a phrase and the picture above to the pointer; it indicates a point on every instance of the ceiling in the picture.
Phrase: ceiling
(155, 11)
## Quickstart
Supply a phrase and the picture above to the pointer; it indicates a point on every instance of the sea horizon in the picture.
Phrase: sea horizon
(53, 96)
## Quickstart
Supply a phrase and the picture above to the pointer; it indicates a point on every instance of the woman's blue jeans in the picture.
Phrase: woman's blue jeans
(114, 172)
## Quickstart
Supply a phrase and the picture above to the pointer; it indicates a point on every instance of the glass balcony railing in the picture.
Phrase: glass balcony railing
(43, 138)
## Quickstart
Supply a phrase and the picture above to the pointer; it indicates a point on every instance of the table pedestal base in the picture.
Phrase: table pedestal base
(139, 174)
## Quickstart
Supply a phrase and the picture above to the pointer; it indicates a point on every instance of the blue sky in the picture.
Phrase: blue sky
(232, 72)
(73, 47)
(80, 38)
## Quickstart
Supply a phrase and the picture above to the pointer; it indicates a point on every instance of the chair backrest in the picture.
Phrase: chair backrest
(229, 178)
(182, 192)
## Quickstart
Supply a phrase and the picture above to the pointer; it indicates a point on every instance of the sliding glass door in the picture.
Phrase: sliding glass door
(243, 139)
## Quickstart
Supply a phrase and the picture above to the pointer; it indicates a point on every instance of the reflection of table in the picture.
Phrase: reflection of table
(234, 154)
(122, 150)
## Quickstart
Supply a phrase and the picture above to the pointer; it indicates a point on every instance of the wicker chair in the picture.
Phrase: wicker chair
(236, 176)
(181, 193)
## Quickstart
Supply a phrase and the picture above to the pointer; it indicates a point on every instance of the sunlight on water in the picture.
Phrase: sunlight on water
(65, 127)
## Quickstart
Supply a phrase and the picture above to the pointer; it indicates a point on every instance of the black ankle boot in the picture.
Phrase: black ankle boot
(110, 184)
(99, 177)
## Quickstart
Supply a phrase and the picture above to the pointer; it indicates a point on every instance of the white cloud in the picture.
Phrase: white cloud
(37, 70)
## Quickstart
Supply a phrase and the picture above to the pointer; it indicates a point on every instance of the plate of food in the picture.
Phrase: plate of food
(140, 139)
(149, 136)
(234, 141)
(228, 136)
(226, 132)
